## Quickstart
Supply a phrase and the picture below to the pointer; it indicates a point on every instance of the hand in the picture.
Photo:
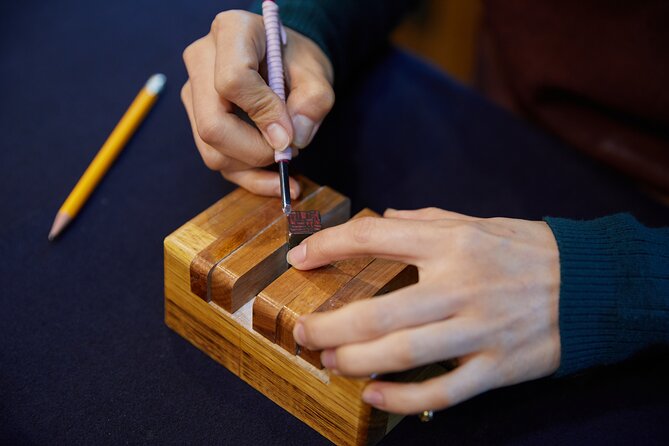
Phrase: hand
(223, 69)
(487, 294)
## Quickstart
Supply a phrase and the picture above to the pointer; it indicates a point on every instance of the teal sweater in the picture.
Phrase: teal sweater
(614, 272)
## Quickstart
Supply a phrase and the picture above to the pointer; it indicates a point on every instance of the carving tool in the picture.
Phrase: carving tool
(115, 143)
(275, 35)
(301, 224)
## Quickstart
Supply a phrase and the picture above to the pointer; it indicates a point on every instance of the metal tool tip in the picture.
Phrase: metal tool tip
(287, 209)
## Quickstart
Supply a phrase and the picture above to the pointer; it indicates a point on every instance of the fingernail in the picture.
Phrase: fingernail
(373, 397)
(304, 128)
(298, 333)
(278, 137)
(298, 254)
(328, 359)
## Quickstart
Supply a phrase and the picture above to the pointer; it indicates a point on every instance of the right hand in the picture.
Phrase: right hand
(223, 69)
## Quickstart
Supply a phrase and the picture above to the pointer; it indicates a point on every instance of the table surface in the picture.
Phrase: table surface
(85, 357)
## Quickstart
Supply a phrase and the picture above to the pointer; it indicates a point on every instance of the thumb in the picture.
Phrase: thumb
(247, 89)
(311, 98)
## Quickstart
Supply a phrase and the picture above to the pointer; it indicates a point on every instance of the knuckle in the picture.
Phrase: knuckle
(327, 98)
(214, 160)
(225, 18)
(362, 229)
(228, 82)
(262, 107)
(211, 161)
(259, 156)
(192, 51)
(346, 364)
(468, 235)
(187, 53)
(376, 320)
(408, 351)
(260, 160)
(321, 97)
(209, 130)
(184, 92)
(314, 245)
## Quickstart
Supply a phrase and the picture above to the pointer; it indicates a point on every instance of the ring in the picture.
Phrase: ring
(426, 416)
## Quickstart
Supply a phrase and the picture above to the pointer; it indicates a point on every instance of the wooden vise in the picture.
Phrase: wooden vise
(230, 292)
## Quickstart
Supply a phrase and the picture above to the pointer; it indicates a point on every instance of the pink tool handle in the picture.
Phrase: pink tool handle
(270, 14)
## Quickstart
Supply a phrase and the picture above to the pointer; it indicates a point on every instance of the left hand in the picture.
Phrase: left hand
(487, 294)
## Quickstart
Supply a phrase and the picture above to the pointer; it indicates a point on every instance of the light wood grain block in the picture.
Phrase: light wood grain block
(332, 405)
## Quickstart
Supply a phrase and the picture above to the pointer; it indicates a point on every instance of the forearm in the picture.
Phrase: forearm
(348, 31)
(614, 290)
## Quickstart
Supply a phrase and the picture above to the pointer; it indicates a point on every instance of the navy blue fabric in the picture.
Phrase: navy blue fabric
(85, 357)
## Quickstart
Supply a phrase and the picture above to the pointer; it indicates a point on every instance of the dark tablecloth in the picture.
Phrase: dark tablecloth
(85, 357)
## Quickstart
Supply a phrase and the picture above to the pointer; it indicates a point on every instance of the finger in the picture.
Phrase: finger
(405, 349)
(426, 214)
(262, 182)
(215, 121)
(212, 158)
(363, 237)
(237, 79)
(473, 377)
(255, 180)
(372, 318)
(311, 98)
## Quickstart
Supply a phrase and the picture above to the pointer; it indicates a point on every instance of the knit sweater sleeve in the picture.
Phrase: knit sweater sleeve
(614, 290)
(348, 31)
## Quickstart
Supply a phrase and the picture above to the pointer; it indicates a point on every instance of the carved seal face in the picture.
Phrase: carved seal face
(301, 224)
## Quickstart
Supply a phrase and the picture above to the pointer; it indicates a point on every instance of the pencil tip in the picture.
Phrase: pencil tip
(62, 219)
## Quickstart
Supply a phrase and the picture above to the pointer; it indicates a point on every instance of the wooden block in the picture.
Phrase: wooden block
(235, 219)
(298, 292)
(237, 278)
(332, 405)
(379, 277)
(248, 256)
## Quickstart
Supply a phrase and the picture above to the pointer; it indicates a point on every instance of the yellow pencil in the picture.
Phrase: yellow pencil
(108, 153)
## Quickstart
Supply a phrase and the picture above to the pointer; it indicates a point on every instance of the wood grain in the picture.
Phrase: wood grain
(234, 219)
(379, 277)
(330, 404)
(238, 277)
(298, 292)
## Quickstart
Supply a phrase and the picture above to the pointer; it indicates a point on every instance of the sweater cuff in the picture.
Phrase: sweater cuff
(606, 303)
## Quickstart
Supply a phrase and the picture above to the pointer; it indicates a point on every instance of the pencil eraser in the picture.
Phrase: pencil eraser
(301, 224)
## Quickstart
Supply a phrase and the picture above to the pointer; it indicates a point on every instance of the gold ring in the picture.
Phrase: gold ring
(426, 416)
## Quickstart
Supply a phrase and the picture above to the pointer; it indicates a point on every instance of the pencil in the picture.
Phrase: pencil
(114, 144)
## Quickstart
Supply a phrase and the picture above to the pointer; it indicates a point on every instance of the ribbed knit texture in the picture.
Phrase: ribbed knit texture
(348, 31)
(614, 290)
